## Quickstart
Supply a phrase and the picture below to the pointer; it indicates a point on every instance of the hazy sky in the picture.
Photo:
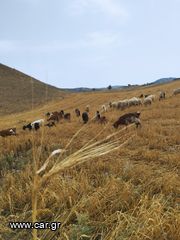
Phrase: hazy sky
(91, 43)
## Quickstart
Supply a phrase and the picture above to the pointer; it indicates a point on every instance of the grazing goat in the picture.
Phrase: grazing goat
(34, 125)
(85, 117)
(8, 132)
(97, 115)
(141, 96)
(127, 119)
(77, 112)
(55, 116)
(67, 116)
(61, 112)
(102, 120)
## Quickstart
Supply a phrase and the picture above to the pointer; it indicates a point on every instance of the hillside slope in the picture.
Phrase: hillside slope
(18, 91)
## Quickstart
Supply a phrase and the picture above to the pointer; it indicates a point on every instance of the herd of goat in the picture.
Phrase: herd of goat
(133, 117)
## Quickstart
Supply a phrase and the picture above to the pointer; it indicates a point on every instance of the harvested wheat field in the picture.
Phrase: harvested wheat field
(109, 183)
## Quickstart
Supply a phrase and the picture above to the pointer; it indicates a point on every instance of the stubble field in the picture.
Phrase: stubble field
(132, 192)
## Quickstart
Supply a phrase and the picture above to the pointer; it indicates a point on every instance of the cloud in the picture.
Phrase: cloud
(107, 7)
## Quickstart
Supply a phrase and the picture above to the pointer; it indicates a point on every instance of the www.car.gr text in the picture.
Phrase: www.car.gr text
(53, 226)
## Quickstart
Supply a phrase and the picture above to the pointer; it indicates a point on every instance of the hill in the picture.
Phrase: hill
(118, 87)
(19, 91)
(163, 80)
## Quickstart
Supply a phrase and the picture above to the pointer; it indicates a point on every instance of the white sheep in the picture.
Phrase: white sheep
(114, 104)
(176, 91)
(122, 104)
(134, 101)
(152, 97)
(147, 101)
(104, 108)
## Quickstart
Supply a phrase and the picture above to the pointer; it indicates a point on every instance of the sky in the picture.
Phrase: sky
(91, 43)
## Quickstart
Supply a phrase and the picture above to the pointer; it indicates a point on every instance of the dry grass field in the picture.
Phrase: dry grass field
(132, 192)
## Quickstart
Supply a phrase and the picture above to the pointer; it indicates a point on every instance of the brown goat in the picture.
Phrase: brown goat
(102, 120)
(127, 119)
(67, 116)
(8, 132)
(55, 116)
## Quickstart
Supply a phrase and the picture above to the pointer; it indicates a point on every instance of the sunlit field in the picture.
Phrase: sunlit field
(132, 192)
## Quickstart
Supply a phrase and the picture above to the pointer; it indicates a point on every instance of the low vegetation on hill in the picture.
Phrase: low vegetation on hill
(17, 90)
(132, 192)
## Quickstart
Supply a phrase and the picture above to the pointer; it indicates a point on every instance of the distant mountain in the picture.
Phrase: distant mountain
(80, 89)
(18, 91)
(85, 89)
(116, 87)
(164, 80)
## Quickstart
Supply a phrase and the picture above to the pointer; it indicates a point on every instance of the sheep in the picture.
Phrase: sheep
(103, 108)
(176, 91)
(127, 119)
(147, 101)
(134, 101)
(122, 104)
(139, 101)
(162, 95)
(152, 97)
(114, 105)
(110, 104)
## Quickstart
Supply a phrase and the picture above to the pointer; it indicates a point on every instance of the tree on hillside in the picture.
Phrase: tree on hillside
(109, 87)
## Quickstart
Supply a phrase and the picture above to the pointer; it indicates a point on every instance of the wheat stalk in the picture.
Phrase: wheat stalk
(87, 152)
(84, 154)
